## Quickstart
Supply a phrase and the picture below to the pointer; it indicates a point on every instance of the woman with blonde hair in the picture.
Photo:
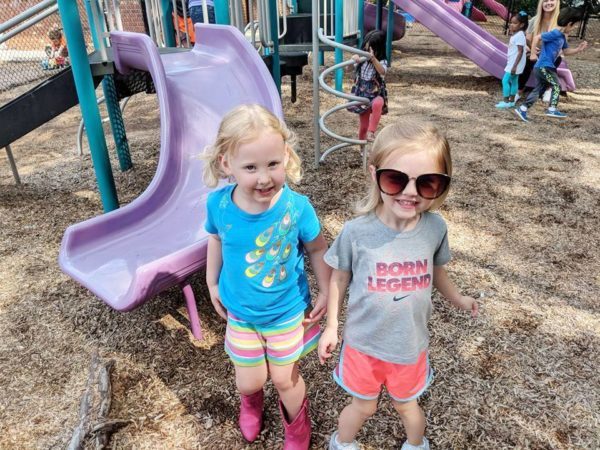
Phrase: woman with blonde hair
(545, 19)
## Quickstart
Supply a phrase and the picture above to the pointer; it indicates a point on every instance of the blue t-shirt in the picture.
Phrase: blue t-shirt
(552, 43)
(262, 280)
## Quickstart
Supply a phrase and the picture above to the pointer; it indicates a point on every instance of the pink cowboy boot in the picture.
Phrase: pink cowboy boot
(297, 433)
(251, 410)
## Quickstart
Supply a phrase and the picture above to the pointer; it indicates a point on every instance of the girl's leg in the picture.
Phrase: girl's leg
(353, 417)
(363, 124)
(250, 380)
(514, 86)
(506, 86)
(376, 109)
(413, 420)
(290, 386)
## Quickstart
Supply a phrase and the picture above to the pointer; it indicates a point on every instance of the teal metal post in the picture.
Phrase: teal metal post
(84, 85)
(167, 21)
(273, 18)
(222, 12)
(339, 37)
(378, 14)
(361, 22)
(390, 32)
(110, 97)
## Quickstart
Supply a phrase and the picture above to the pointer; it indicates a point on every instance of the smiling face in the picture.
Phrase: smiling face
(402, 211)
(549, 5)
(258, 168)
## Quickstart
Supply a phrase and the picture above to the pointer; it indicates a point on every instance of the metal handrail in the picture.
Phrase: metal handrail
(353, 99)
(24, 22)
(26, 15)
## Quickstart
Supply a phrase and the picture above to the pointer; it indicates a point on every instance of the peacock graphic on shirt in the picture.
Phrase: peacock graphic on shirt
(273, 249)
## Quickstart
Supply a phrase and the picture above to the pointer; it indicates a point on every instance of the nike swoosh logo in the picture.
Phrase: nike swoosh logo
(397, 299)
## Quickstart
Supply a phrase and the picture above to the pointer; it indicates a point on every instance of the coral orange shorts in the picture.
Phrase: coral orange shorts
(362, 375)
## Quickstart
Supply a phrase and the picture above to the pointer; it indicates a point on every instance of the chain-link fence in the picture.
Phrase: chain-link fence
(39, 52)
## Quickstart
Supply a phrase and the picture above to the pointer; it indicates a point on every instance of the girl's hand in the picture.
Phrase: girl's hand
(468, 303)
(216, 301)
(356, 59)
(318, 310)
(327, 343)
(581, 47)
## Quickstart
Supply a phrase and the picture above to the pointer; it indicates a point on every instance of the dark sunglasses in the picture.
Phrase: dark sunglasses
(429, 185)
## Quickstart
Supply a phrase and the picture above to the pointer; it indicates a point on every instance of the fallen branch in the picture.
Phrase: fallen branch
(82, 429)
(105, 390)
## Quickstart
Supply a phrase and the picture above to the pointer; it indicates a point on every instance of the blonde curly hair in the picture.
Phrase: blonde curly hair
(240, 126)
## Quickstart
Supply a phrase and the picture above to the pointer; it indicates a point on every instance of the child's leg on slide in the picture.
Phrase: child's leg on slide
(363, 124)
(413, 420)
(290, 386)
(353, 417)
(376, 109)
(250, 379)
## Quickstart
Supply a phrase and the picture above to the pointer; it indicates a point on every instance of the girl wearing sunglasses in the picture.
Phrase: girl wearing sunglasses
(391, 257)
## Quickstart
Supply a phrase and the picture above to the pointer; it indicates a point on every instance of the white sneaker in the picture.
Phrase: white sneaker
(424, 445)
(334, 444)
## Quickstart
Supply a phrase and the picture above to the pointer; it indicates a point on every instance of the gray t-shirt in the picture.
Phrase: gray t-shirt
(390, 291)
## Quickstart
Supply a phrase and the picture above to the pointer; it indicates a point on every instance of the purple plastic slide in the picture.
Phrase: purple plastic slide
(370, 13)
(158, 240)
(470, 39)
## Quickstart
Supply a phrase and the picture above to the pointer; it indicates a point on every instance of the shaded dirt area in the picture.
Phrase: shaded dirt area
(523, 216)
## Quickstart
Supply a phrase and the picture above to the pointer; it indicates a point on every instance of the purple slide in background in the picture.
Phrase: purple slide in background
(468, 38)
(158, 240)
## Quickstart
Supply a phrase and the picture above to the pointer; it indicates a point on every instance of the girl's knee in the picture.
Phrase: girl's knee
(366, 408)
(377, 102)
(284, 378)
(404, 408)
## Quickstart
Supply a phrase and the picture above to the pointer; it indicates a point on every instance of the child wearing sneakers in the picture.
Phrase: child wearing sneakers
(391, 257)
(259, 232)
(515, 59)
(545, 70)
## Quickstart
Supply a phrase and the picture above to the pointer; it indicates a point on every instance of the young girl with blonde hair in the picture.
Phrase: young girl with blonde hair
(391, 256)
(259, 231)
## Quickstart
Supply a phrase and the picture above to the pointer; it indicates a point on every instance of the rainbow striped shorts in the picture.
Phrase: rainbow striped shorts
(281, 344)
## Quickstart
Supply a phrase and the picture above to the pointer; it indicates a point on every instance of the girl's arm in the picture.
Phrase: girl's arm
(378, 67)
(316, 250)
(214, 261)
(448, 289)
(534, 48)
(337, 290)
(517, 60)
(573, 51)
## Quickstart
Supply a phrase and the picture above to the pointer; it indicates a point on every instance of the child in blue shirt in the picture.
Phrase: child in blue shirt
(259, 230)
(553, 42)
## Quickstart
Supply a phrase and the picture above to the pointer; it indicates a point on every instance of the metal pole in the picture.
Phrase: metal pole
(315, 64)
(6, 36)
(378, 14)
(13, 165)
(390, 33)
(274, 20)
(339, 37)
(84, 85)
(361, 22)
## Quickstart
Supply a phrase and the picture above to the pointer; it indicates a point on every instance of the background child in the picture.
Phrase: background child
(57, 51)
(515, 59)
(545, 69)
(391, 256)
(369, 83)
(259, 229)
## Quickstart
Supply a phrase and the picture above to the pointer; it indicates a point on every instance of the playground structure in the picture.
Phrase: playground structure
(98, 252)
